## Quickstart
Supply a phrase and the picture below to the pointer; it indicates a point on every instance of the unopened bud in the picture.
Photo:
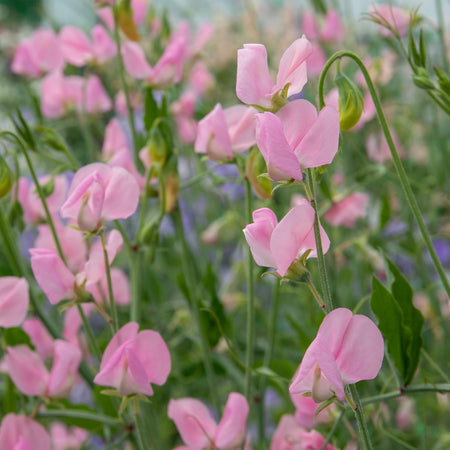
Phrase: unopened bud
(171, 186)
(157, 149)
(422, 80)
(351, 104)
(6, 178)
(255, 167)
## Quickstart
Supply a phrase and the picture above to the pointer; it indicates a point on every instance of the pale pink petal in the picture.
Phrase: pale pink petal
(114, 369)
(258, 235)
(308, 25)
(230, 432)
(287, 435)
(40, 337)
(107, 17)
(241, 126)
(332, 30)
(136, 379)
(75, 46)
(103, 46)
(115, 139)
(152, 352)
(21, 432)
(26, 369)
(135, 61)
(96, 98)
(53, 277)
(212, 137)
(292, 68)
(253, 81)
(321, 143)
(282, 164)
(362, 351)
(14, 301)
(288, 238)
(23, 62)
(127, 333)
(67, 358)
(193, 421)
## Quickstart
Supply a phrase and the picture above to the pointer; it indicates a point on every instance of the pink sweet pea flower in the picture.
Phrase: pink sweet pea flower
(95, 98)
(64, 438)
(200, 79)
(297, 138)
(183, 110)
(133, 360)
(348, 348)
(60, 94)
(393, 18)
(378, 150)
(38, 54)
(199, 430)
(40, 337)
(120, 103)
(78, 50)
(54, 278)
(290, 436)
(22, 433)
(31, 377)
(223, 132)
(348, 210)
(100, 193)
(14, 301)
(254, 86)
(305, 408)
(33, 210)
(278, 245)
(330, 31)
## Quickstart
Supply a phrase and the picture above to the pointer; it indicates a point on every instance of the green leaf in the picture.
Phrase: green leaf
(413, 319)
(150, 109)
(16, 336)
(390, 320)
(399, 321)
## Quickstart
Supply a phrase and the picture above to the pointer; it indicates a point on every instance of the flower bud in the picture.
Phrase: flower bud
(351, 104)
(6, 178)
(157, 148)
(422, 80)
(171, 186)
(256, 166)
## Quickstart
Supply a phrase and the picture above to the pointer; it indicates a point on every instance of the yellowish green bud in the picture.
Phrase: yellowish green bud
(255, 167)
(6, 178)
(351, 104)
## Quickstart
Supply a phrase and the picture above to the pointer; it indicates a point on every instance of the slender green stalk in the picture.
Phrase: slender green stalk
(311, 192)
(435, 365)
(140, 435)
(135, 270)
(411, 199)
(268, 357)
(112, 304)
(250, 341)
(335, 426)
(8, 243)
(316, 294)
(359, 414)
(39, 191)
(125, 88)
(195, 307)
(417, 389)
(87, 136)
(78, 414)
(90, 336)
(441, 30)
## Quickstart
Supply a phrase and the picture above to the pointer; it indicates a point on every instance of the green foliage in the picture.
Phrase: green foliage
(399, 321)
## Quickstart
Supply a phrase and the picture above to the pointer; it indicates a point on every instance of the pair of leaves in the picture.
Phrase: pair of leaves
(399, 321)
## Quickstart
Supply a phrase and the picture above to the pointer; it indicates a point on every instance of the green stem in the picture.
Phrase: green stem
(140, 436)
(412, 202)
(135, 268)
(125, 88)
(315, 294)
(90, 336)
(441, 30)
(87, 136)
(417, 389)
(311, 192)
(112, 304)
(78, 414)
(250, 341)
(195, 307)
(359, 414)
(268, 356)
(435, 365)
(39, 191)
(333, 430)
